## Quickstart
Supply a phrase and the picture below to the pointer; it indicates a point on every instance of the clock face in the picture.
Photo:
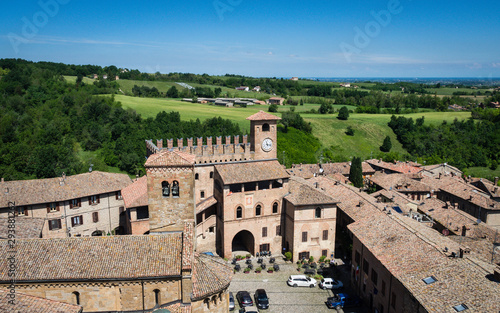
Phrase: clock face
(267, 144)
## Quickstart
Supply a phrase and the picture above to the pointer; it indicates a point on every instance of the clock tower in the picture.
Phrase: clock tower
(263, 135)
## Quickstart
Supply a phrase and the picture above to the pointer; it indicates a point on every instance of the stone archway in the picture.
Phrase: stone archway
(243, 241)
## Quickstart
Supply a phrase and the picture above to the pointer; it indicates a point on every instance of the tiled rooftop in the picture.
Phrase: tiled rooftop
(94, 258)
(166, 158)
(26, 227)
(28, 192)
(263, 116)
(302, 193)
(211, 275)
(399, 182)
(29, 304)
(251, 172)
(309, 170)
(205, 204)
(398, 167)
(136, 194)
(412, 252)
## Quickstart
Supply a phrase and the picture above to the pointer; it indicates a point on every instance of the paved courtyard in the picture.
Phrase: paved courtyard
(282, 298)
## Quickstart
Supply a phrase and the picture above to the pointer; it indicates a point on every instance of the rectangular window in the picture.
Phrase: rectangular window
(52, 207)
(374, 277)
(264, 185)
(95, 217)
(75, 203)
(264, 231)
(235, 188)
(77, 220)
(324, 252)
(278, 230)
(383, 288)
(357, 257)
(265, 247)
(366, 266)
(325, 234)
(94, 200)
(54, 224)
(304, 236)
(118, 195)
(202, 194)
(393, 300)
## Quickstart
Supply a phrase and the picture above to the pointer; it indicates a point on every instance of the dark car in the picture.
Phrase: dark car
(342, 300)
(244, 298)
(261, 299)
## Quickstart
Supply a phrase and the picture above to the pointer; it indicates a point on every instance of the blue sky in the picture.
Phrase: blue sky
(388, 38)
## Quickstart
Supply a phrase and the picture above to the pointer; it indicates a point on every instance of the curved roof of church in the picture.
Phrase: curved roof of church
(32, 304)
(263, 116)
(211, 275)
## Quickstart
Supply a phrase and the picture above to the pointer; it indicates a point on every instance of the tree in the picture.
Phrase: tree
(387, 145)
(173, 92)
(343, 113)
(273, 108)
(301, 101)
(326, 108)
(356, 172)
(350, 131)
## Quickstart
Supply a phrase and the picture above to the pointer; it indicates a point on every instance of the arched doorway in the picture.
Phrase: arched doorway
(243, 241)
(97, 233)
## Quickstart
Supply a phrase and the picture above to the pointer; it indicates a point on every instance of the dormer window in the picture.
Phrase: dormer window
(94, 200)
(175, 189)
(460, 307)
(165, 189)
(52, 207)
(317, 213)
(75, 203)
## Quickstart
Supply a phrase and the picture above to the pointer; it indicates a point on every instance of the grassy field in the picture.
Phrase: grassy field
(484, 172)
(72, 80)
(127, 85)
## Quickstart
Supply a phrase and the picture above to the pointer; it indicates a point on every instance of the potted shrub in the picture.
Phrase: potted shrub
(322, 259)
(246, 270)
(311, 259)
(249, 256)
(288, 256)
(258, 270)
(270, 270)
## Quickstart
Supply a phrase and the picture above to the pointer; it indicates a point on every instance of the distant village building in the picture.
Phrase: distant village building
(456, 107)
(345, 85)
(256, 88)
(243, 88)
(294, 78)
(276, 100)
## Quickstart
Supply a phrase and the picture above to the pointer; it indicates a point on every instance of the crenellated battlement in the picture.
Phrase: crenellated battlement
(232, 150)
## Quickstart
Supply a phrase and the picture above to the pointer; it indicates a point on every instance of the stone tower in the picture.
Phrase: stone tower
(170, 191)
(263, 135)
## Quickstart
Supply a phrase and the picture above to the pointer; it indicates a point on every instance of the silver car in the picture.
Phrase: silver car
(231, 301)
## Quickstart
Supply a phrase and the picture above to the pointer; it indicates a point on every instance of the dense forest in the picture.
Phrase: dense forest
(48, 126)
(463, 144)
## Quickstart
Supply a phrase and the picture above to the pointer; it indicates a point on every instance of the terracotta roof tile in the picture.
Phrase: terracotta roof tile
(187, 245)
(399, 182)
(205, 204)
(28, 192)
(170, 158)
(263, 116)
(136, 194)
(308, 170)
(93, 258)
(211, 275)
(26, 227)
(30, 304)
(251, 172)
(302, 193)
(398, 167)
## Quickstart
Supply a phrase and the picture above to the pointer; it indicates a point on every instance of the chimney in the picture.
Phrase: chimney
(463, 251)
(180, 142)
(159, 143)
(496, 181)
(199, 141)
(316, 185)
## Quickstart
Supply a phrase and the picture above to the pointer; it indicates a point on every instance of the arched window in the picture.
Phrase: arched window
(258, 210)
(275, 207)
(196, 176)
(165, 189)
(175, 189)
(317, 213)
(76, 297)
(157, 296)
(239, 212)
(265, 127)
(207, 302)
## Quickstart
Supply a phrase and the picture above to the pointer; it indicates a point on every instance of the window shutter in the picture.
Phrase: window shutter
(48, 207)
(95, 217)
(59, 224)
(50, 225)
(79, 202)
(70, 204)
(57, 206)
(72, 222)
(98, 200)
(81, 219)
(90, 200)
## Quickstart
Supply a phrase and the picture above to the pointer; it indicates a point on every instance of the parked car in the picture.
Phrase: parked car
(301, 281)
(249, 309)
(330, 283)
(244, 298)
(231, 301)
(342, 300)
(261, 299)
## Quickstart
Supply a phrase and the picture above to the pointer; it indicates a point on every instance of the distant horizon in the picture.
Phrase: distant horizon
(377, 39)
